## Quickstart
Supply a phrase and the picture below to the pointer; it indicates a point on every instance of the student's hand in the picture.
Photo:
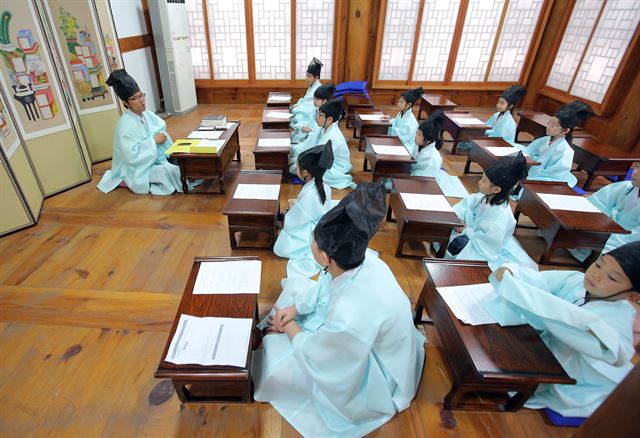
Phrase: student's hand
(306, 129)
(460, 228)
(283, 316)
(291, 203)
(292, 329)
(501, 271)
(636, 324)
(386, 117)
(160, 138)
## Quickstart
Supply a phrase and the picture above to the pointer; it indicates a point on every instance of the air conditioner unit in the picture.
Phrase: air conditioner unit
(173, 49)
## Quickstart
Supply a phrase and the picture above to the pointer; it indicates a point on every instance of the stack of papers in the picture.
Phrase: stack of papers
(267, 192)
(213, 135)
(228, 277)
(389, 150)
(210, 341)
(279, 98)
(420, 201)
(195, 146)
(284, 142)
(371, 116)
(499, 151)
(568, 202)
(466, 302)
(278, 115)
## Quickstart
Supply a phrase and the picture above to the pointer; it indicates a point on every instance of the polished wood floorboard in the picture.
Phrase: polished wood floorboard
(87, 297)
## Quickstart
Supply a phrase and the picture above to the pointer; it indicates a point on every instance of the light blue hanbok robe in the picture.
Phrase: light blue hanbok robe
(405, 127)
(338, 175)
(593, 342)
(620, 202)
(298, 135)
(304, 110)
(429, 163)
(294, 240)
(555, 160)
(490, 231)
(138, 160)
(356, 369)
(504, 126)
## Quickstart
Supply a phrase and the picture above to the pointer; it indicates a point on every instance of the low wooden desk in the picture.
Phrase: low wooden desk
(273, 158)
(274, 123)
(431, 102)
(462, 132)
(485, 360)
(600, 159)
(279, 103)
(253, 214)
(362, 128)
(210, 166)
(532, 122)
(354, 102)
(199, 383)
(386, 165)
(420, 225)
(481, 155)
(562, 228)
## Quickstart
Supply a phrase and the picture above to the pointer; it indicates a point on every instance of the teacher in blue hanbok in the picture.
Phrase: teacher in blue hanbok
(139, 145)
(361, 362)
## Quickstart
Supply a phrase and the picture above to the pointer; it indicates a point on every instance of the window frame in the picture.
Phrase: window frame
(625, 72)
(252, 82)
(448, 84)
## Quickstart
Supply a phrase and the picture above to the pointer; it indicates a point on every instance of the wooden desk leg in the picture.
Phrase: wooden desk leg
(355, 133)
(546, 255)
(221, 182)
(467, 166)
(452, 399)
(361, 142)
(591, 259)
(517, 133)
(454, 148)
(516, 213)
(364, 164)
(390, 214)
(181, 390)
(238, 156)
(185, 187)
(417, 315)
(401, 242)
(232, 239)
(587, 183)
(517, 401)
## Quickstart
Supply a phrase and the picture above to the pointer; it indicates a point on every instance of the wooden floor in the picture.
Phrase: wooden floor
(87, 297)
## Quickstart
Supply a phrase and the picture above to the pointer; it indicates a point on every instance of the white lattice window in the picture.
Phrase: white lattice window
(476, 41)
(610, 40)
(515, 39)
(574, 41)
(314, 35)
(436, 34)
(228, 33)
(397, 41)
(198, 37)
(272, 38)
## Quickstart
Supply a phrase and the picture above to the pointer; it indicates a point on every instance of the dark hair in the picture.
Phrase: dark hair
(348, 267)
(320, 187)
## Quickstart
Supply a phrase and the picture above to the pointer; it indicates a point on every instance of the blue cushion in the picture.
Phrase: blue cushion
(352, 86)
(626, 178)
(558, 420)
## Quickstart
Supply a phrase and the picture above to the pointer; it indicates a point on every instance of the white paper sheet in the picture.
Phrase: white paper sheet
(467, 121)
(274, 142)
(421, 201)
(210, 341)
(389, 150)
(371, 116)
(279, 98)
(269, 192)
(278, 115)
(229, 125)
(466, 302)
(568, 202)
(206, 128)
(228, 277)
(499, 151)
(213, 135)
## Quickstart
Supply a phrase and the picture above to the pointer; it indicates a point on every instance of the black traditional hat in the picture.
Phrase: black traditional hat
(513, 94)
(317, 160)
(412, 96)
(324, 91)
(344, 232)
(574, 114)
(432, 126)
(333, 108)
(507, 171)
(123, 84)
(629, 258)
(314, 67)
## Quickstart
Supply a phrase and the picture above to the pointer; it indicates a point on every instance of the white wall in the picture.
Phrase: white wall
(129, 20)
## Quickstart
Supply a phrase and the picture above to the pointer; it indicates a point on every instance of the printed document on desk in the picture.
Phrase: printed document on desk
(466, 302)
(228, 277)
